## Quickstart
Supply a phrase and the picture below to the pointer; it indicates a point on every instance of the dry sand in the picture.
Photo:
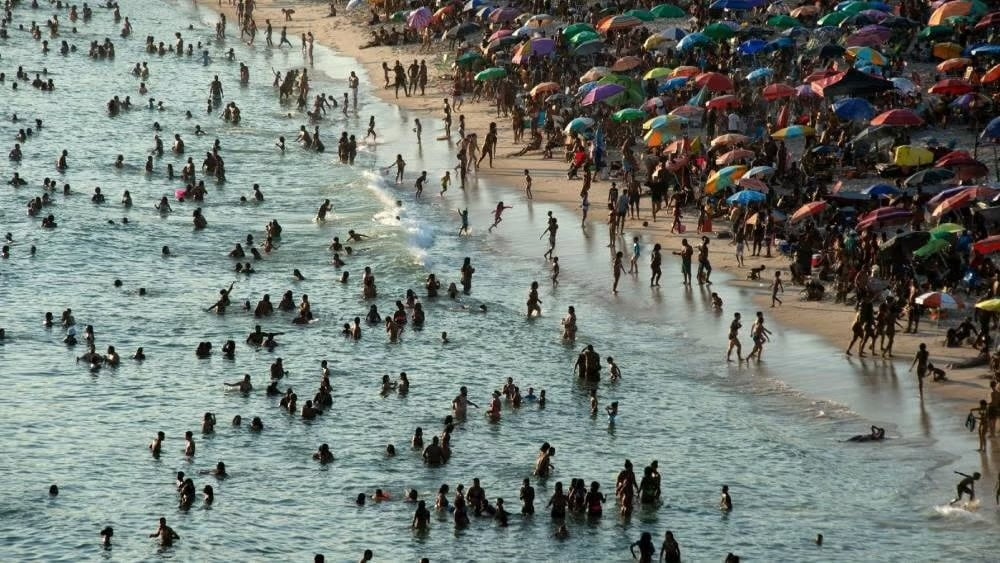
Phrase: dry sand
(347, 32)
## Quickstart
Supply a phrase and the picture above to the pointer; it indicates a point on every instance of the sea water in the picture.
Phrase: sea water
(773, 432)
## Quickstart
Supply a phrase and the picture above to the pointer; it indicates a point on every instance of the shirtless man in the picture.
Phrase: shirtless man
(166, 534)
(460, 404)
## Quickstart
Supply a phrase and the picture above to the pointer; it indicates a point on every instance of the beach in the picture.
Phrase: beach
(775, 431)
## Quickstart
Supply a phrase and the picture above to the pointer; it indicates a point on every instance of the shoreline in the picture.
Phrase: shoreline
(345, 34)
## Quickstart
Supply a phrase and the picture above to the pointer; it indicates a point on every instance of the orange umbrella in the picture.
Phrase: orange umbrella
(804, 11)
(778, 91)
(992, 75)
(626, 63)
(819, 76)
(729, 139)
(618, 22)
(722, 102)
(545, 88)
(949, 9)
(808, 210)
(686, 71)
(734, 156)
(957, 64)
(714, 81)
(947, 50)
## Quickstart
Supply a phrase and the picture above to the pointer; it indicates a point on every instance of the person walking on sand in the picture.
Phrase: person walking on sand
(498, 215)
(776, 286)
(920, 360)
(734, 339)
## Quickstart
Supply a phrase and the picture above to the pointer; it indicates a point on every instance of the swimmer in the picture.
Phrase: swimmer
(244, 385)
(725, 501)
(156, 446)
(106, 534)
(165, 533)
(323, 454)
(612, 411)
(877, 434)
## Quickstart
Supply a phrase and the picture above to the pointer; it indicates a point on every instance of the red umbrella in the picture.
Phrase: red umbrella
(898, 118)
(722, 102)
(954, 203)
(971, 171)
(884, 217)
(951, 87)
(808, 210)
(987, 245)
(955, 158)
(820, 75)
(778, 91)
(989, 20)
(714, 81)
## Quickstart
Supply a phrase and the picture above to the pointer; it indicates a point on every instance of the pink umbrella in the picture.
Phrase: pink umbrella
(500, 34)
(752, 184)
(805, 91)
(504, 15)
(419, 18)
(601, 93)
(884, 217)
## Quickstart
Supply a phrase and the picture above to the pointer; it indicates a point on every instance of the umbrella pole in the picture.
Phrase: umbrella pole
(996, 162)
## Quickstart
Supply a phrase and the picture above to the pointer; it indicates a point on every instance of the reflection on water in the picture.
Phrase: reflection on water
(706, 422)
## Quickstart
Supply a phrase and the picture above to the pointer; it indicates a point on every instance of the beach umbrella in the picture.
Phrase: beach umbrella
(936, 32)
(586, 88)
(987, 246)
(654, 42)
(760, 74)
(657, 137)
(720, 179)
(668, 11)
(625, 64)
(833, 19)
(602, 93)
(493, 73)
(945, 51)
(932, 247)
(808, 10)
(733, 5)
(578, 124)
(500, 35)
(504, 15)
(473, 5)
(672, 84)
(673, 33)
(644, 15)
(991, 75)
(867, 54)
(930, 176)
(538, 46)
(692, 40)
(576, 28)
(876, 191)
(744, 198)
(955, 158)
(760, 171)
(657, 73)
(853, 109)
(595, 73)
(539, 21)
(809, 210)
(965, 101)
(958, 201)
(906, 243)
(687, 112)
(783, 22)
(729, 139)
(463, 30)
(686, 71)
(911, 155)
(988, 21)
(501, 43)
(951, 87)
(989, 305)
(992, 129)
(778, 91)
(665, 121)
(950, 9)
(752, 184)
(939, 300)
(984, 51)
(714, 82)
(588, 48)
(718, 31)
(545, 88)
(752, 47)
(956, 65)
(945, 230)
(356, 4)
(884, 217)
(723, 102)
(945, 194)
(794, 132)
(628, 115)
(898, 118)
(733, 156)
(617, 23)
(805, 91)
(469, 59)
(904, 85)
(419, 18)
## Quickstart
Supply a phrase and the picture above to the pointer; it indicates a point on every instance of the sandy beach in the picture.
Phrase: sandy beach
(348, 32)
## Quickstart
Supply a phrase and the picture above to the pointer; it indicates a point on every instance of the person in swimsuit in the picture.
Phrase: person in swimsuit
(966, 486)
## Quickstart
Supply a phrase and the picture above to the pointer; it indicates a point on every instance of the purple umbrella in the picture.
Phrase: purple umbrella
(539, 47)
(602, 93)
(504, 15)
(805, 91)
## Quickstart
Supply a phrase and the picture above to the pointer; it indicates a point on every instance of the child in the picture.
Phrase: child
(445, 182)
(612, 411)
(464, 214)
(616, 372)
(498, 215)
(527, 183)
(776, 286)
(633, 265)
(555, 270)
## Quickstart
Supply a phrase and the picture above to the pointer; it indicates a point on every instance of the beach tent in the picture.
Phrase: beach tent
(852, 82)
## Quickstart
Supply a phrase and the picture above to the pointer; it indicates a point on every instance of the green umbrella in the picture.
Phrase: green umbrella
(400, 16)
(783, 22)
(833, 19)
(932, 247)
(623, 81)
(572, 30)
(668, 11)
(718, 31)
(629, 114)
(936, 31)
(492, 73)
(946, 230)
(469, 59)
(852, 8)
(643, 15)
(583, 37)
(961, 20)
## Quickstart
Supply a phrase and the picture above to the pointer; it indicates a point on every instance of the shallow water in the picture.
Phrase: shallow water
(762, 430)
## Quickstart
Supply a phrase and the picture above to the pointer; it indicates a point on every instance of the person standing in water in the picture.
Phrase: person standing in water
(734, 339)
(167, 535)
(776, 287)
(920, 360)
(464, 215)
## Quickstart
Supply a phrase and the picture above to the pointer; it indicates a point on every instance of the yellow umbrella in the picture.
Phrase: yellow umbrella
(657, 73)
(653, 42)
(657, 137)
(990, 305)
(947, 50)
(910, 155)
(724, 177)
(949, 9)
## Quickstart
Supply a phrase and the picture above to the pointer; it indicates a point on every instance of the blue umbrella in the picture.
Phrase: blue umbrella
(672, 84)
(985, 50)
(992, 130)
(732, 5)
(824, 150)
(752, 47)
(693, 40)
(579, 124)
(760, 74)
(854, 109)
(762, 170)
(880, 190)
(745, 198)
(586, 88)
(700, 98)
(796, 32)
(781, 43)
